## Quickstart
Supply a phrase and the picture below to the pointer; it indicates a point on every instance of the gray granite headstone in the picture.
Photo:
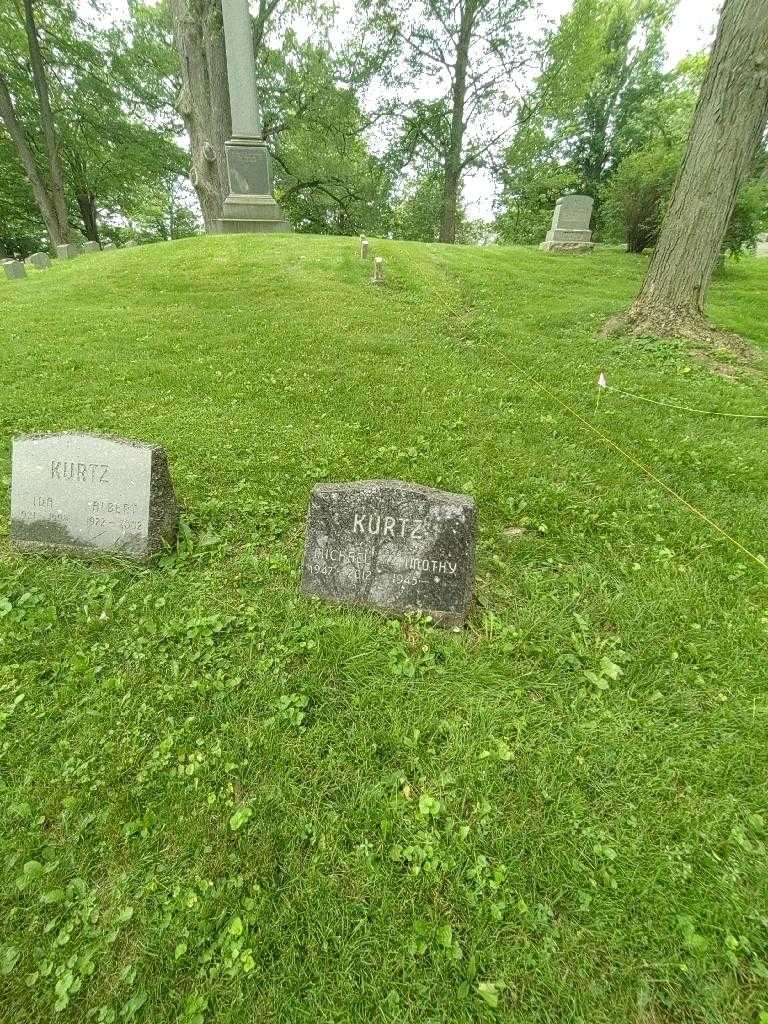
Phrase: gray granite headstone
(91, 247)
(393, 546)
(570, 225)
(85, 492)
(131, 243)
(378, 270)
(14, 269)
(39, 260)
(108, 246)
(68, 251)
(364, 248)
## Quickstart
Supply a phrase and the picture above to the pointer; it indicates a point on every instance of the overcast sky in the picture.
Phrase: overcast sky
(692, 30)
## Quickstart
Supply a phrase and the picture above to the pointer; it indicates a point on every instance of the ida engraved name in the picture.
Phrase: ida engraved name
(392, 546)
(79, 492)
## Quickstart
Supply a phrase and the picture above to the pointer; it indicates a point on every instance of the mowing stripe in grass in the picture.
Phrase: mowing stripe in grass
(759, 559)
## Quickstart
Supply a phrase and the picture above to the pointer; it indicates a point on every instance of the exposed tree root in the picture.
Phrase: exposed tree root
(644, 321)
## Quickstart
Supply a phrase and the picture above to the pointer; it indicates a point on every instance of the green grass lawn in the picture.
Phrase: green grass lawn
(213, 793)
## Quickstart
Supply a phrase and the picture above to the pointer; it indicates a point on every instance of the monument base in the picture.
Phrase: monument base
(254, 214)
(250, 206)
(572, 247)
(581, 235)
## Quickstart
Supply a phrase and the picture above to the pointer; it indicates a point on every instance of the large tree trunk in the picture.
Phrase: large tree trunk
(728, 126)
(87, 205)
(24, 151)
(453, 168)
(57, 193)
(204, 100)
(86, 200)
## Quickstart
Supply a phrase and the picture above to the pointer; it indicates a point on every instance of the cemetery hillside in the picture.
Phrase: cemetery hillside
(224, 800)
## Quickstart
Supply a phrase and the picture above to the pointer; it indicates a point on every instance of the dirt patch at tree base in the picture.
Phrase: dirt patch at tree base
(671, 323)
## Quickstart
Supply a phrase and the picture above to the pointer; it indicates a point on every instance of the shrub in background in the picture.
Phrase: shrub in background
(748, 219)
(637, 195)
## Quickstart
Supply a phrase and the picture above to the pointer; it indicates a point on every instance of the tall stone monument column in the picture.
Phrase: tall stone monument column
(250, 205)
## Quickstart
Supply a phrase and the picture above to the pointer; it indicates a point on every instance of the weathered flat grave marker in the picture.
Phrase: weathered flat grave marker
(83, 492)
(39, 260)
(14, 269)
(393, 546)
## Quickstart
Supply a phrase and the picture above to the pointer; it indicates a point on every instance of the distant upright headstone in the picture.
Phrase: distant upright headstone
(364, 248)
(570, 225)
(14, 269)
(392, 546)
(378, 270)
(83, 492)
(68, 251)
(130, 244)
(108, 246)
(91, 247)
(39, 260)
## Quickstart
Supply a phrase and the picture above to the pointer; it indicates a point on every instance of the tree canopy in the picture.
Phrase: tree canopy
(114, 131)
(374, 124)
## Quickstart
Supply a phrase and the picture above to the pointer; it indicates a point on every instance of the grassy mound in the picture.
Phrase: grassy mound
(223, 803)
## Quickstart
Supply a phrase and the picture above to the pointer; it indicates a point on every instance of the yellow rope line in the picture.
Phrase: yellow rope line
(759, 559)
(686, 408)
